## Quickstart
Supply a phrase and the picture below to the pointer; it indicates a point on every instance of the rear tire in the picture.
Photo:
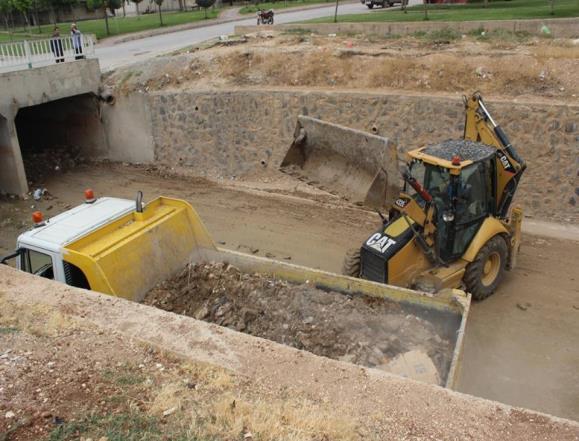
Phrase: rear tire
(484, 274)
(352, 263)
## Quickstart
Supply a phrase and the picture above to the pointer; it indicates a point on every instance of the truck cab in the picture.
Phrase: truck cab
(42, 250)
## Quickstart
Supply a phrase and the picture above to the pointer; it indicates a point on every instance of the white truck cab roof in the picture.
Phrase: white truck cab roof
(75, 223)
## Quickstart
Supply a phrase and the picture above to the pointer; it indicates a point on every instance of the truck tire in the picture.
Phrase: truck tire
(352, 263)
(370, 5)
(484, 274)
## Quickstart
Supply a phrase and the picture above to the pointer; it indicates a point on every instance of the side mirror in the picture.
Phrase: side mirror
(5, 259)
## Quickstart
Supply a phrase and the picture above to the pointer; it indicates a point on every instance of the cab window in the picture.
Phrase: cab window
(37, 263)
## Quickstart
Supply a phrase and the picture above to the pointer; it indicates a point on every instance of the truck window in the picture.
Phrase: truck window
(74, 276)
(38, 263)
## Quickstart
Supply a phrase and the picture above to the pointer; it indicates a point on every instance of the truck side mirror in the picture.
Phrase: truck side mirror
(15, 254)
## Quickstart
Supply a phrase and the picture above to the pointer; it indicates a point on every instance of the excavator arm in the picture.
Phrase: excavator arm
(481, 127)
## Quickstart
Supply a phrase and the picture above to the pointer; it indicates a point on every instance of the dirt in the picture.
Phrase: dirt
(504, 64)
(506, 349)
(44, 162)
(368, 332)
(48, 380)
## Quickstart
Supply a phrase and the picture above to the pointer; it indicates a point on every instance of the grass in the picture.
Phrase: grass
(130, 426)
(497, 10)
(275, 5)
(117, 25)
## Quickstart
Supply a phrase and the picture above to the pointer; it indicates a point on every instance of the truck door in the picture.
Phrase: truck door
(39, 263)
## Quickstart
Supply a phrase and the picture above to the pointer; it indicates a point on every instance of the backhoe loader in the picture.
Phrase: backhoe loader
(451, 225)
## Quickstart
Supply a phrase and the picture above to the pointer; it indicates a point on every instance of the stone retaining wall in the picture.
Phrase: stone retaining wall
(229, 133)
(559, 28)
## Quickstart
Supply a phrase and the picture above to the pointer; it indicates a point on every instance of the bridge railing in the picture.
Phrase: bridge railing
(32, 53)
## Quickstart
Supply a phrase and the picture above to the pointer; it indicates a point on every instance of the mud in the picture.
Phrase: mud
(356, 329)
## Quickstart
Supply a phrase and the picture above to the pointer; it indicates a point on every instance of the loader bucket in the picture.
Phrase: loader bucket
(128, 257)
(359, 166)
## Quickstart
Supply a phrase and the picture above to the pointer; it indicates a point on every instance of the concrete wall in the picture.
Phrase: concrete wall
(128, 129)
(560, 27)
(228, 133)
(32, 87)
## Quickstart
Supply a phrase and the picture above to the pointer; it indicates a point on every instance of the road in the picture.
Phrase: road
(133, 51)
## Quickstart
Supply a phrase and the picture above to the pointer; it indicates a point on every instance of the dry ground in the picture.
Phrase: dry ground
(520, 345)
(499, 64)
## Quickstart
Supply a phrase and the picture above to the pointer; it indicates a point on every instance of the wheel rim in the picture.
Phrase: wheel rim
(491, 269)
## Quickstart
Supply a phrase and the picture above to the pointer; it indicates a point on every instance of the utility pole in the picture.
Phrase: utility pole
(336, 12)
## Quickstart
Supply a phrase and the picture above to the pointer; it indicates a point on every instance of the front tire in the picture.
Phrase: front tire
(484, 274)
(352, 263)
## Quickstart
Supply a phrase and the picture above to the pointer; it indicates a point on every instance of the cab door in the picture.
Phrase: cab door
(41, 263)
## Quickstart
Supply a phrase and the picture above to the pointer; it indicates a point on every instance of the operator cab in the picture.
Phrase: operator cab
(460, 177)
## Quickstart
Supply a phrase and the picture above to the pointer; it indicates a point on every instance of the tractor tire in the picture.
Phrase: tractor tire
(352, 263)
(484, 274)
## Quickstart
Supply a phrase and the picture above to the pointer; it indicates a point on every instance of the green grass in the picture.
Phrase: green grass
(118, 25)
(497, 10)
(120, 427)
(8, 330)
(280, 5)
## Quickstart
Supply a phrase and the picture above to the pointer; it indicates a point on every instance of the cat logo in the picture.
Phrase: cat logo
(380, 242)
(505, 162)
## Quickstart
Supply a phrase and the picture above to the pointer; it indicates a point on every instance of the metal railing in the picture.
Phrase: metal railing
(33, 53)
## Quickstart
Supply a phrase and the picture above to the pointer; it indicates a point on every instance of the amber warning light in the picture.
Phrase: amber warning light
(89, 196)
(37, 218)
(456, 160)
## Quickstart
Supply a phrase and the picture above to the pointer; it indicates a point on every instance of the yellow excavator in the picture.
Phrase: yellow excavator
(451, 226)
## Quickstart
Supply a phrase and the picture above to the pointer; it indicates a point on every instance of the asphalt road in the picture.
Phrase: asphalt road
(130, 52)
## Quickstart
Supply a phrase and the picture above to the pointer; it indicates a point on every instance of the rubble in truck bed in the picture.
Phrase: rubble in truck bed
(362, 330)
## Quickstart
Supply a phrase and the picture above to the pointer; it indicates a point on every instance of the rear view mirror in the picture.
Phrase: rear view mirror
(15, 254)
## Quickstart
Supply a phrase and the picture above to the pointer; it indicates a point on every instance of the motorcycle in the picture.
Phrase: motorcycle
(265, 17)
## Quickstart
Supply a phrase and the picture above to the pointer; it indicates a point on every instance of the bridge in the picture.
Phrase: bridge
(47, 97)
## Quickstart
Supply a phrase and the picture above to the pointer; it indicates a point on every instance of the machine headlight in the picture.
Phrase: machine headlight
(448, 216)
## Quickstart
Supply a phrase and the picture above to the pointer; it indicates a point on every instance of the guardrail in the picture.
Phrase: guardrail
(33, 53)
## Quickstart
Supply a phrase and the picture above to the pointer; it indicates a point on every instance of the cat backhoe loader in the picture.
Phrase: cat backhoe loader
(451, 226)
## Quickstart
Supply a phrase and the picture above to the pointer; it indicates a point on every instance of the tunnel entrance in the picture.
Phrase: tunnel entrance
(57, 136)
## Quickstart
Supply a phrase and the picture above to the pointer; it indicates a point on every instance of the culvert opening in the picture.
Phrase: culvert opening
(359, 329)
(57, 136)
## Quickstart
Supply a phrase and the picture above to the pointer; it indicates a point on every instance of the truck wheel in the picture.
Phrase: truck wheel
(483, 275)
(370, 5)
(352, 263)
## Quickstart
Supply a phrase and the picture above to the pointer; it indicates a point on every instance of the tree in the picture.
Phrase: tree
(23, 6)
(136, 2)
(104, 5)
(159, 3)
(425, 9)
(552, 2)
(205, 4)
(6, 9)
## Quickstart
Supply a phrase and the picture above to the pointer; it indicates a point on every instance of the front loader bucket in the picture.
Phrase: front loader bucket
(359, 166)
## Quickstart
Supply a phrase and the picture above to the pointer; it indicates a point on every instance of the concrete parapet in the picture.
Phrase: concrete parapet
(382, 405)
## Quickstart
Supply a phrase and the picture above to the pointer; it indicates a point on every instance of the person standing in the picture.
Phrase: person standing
(76, 36)
(56, 45)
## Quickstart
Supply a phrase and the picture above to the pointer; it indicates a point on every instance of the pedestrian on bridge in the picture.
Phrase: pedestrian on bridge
(56, 45)
(76, 36)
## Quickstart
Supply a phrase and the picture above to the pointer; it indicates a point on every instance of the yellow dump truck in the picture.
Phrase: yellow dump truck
(125, 248)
